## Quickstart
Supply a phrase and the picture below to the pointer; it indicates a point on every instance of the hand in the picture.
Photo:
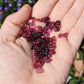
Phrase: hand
(15, 57)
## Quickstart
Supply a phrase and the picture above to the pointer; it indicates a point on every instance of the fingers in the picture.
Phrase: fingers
(61, 9)
(72, 16)
(43, 8)
(76, 35)
(13, 23)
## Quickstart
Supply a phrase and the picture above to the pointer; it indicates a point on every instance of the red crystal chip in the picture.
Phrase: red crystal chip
(39, 70)
(48, 60)
(65, 34)
(60, 35)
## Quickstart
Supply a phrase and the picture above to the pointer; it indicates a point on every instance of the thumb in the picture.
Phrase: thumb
(13, 23)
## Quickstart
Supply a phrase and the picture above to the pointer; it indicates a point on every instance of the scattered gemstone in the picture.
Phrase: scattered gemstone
(41, 44)
(39, 70)
(65, 34)
(60, 35)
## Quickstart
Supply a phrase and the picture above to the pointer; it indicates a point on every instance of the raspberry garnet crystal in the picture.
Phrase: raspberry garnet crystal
(41, 44)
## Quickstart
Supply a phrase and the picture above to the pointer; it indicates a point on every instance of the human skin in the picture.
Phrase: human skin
(15, 56)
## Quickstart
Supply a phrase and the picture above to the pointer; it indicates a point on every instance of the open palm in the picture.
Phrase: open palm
(15, 55)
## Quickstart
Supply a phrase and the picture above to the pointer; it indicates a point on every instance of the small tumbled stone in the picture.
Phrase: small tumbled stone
(65, 34)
